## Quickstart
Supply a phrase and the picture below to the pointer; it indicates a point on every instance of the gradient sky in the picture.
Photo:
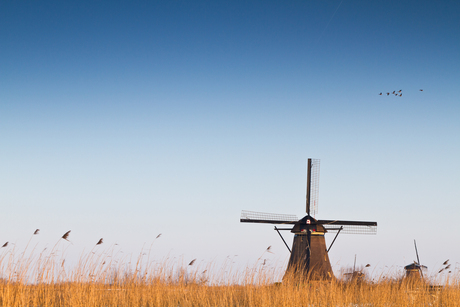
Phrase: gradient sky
(126, 119)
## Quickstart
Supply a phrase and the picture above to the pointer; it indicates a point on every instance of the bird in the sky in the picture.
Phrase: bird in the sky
(394, 92)
(99, 242)
(36, 232)
(388, 94)
(445, 262)
(380, 94)
(5, 245)
(399, 91)
(400, 95)
(421, 90)
(192, 262)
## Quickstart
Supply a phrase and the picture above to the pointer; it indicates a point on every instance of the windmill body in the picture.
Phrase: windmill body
(318, 259)
(309, 255)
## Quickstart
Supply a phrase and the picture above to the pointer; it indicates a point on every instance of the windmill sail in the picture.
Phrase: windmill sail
(350, 227)
(314, 188)
(269, 218)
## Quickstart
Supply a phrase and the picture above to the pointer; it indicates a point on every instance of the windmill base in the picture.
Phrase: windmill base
(320, 266)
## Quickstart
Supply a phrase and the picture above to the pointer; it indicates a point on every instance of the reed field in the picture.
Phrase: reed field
(42, 278)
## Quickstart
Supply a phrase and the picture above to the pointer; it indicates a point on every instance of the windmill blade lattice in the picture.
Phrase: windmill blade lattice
(269, 218)
(352, 229)
(314, 188)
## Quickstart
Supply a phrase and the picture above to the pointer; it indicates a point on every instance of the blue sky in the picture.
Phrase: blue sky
(124, 120)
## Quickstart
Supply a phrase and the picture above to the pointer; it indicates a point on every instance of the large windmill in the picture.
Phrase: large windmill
(309, 255)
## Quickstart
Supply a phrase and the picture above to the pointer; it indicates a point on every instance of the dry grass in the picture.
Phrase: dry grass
(43, 279)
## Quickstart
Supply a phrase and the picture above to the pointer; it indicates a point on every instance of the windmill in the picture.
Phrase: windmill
(309, 255)
(414, 270)
(354, 274)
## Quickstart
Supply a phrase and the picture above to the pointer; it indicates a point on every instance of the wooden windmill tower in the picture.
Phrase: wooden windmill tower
(309, 255)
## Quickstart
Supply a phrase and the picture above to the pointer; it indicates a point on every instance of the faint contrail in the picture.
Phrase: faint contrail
(332, 17)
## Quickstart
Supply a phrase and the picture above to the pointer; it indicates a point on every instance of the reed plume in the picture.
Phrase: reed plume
(66, 235)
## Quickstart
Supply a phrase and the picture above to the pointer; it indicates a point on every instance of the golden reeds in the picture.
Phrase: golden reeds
(105, 278)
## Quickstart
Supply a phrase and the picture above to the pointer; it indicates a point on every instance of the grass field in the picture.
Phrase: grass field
(101, 279)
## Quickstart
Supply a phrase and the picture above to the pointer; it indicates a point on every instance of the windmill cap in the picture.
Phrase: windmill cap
(300, 226)
(414, 266)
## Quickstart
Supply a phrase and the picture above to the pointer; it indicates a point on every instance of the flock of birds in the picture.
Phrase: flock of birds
(396, 93)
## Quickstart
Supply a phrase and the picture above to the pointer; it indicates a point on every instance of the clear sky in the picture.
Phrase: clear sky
(126, 119)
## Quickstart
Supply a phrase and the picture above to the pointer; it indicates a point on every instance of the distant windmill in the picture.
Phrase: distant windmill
(356, 275)
(309, 255)
(414, 270)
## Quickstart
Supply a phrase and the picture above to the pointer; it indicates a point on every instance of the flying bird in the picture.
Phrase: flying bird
(445, 262)
(399, 91)
(5, 245)
(421, 90)
(99, 242)
(66, 235)
(394, 92)
(367, 265)
(400, 95)
(447, 267)
(380, 94)
(158, 236)
(388, 94)
(192, 262)
(440, 270)
(36, 231)
(269, 249)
